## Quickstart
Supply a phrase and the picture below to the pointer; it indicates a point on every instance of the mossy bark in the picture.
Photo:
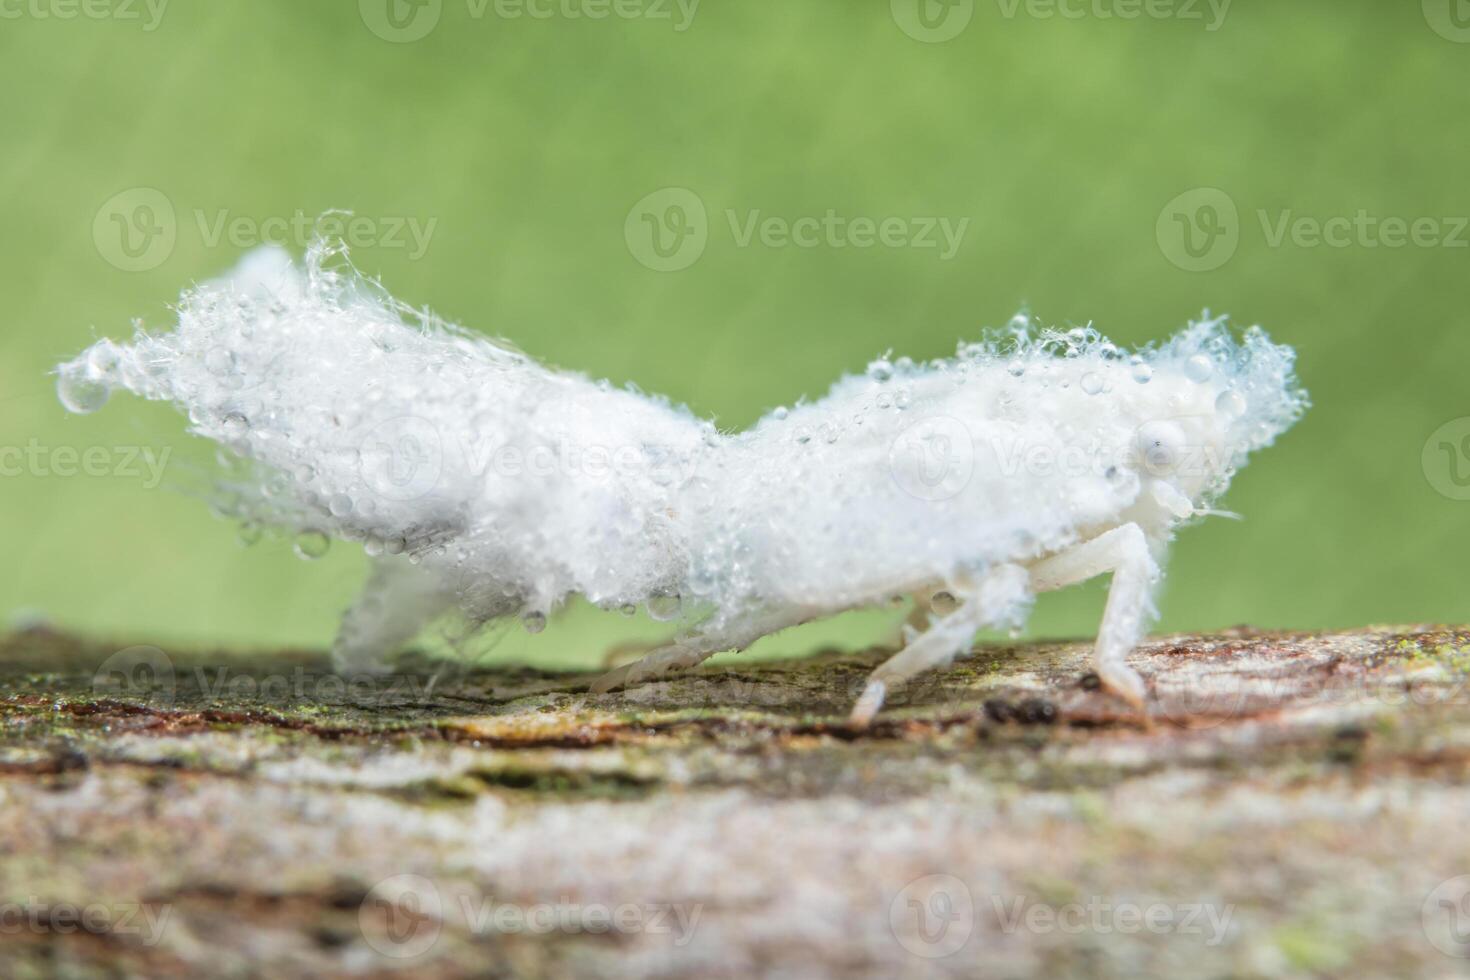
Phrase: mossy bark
(1293, 804)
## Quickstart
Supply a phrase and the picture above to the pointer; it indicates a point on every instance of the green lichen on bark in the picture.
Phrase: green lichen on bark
(1304, 793)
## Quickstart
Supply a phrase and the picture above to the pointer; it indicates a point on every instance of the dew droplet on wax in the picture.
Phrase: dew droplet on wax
(219, 361)
(1199, 368)
(663, 608)
(311, 545)
(880, 370)
(81, 396)
(1092, 383)
(103, 358)
(235, 425)
(534, 622)
(1142, 372)
(944, 602)
(340, 505)
(1230, 404)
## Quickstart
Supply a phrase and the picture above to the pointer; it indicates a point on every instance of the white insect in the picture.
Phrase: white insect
(485, 482)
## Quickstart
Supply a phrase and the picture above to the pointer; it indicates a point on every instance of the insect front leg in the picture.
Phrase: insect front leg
(1001, 596)
(1123, 551)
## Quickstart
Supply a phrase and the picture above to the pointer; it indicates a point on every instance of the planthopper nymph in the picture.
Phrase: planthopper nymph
(488, 485)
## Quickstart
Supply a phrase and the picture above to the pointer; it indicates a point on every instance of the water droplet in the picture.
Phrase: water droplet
(628, 609)
(79, 395)
(235, 426)
(340, 505)
(880, 370)
(103, 358)
(219, 361)
(1092, 383)
(311, 545)
(664, 607)
(534, 622)
(1015, 369)
(780, 412)
(373, 546)
(1142, 372)
(1199, 368)
(944, 602)
(1230, 404)
(903, 399)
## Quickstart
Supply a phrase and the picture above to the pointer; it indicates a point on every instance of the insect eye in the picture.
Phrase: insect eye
(1160, 446)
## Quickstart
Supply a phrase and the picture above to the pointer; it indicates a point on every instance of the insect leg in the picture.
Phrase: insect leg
(398, 601)
(1124, 551)
(1001, 596)
(694, 648)
(677, 655)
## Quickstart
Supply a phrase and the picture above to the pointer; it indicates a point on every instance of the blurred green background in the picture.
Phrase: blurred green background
(527, 141)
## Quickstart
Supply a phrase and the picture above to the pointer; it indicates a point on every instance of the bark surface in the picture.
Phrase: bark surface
(1293, 804)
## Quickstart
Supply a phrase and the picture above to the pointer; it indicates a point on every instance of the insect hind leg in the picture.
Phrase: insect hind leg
(398, 600)
(1002, 596)
(696, 647)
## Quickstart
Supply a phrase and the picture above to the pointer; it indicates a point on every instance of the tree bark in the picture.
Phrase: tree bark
(1292, 804)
